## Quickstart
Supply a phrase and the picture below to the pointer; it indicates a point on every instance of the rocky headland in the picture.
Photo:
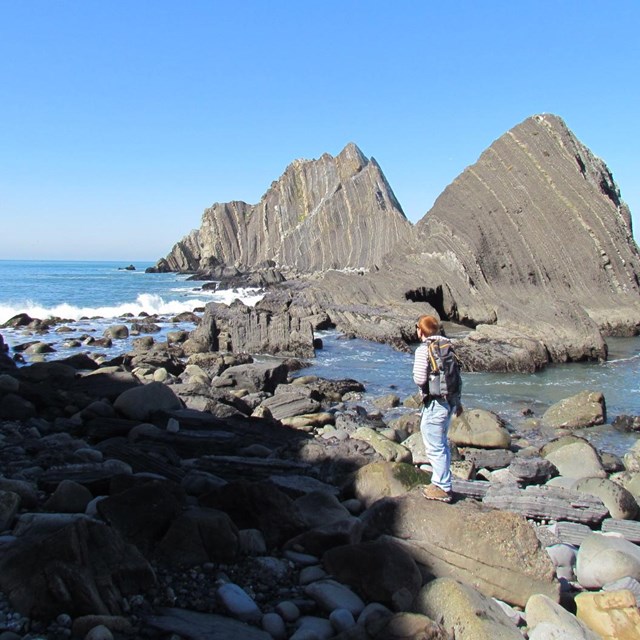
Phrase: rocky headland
(177, 493)
(531, 247)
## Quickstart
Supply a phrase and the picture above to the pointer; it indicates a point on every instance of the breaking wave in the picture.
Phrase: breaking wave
(145, 302)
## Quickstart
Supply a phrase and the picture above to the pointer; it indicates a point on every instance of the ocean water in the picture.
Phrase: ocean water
(94, 295)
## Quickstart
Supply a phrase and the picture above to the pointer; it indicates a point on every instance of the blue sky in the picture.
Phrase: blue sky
(121, 121)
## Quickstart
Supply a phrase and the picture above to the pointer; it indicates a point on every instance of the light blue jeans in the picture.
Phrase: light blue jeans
(434, 427)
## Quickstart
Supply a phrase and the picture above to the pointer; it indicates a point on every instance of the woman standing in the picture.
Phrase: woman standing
(438, 408)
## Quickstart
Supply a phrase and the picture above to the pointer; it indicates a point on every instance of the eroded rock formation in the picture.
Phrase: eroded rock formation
(334, 212)
(532, 246)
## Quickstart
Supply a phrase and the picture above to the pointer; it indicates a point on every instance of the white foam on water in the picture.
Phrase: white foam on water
(150, 303)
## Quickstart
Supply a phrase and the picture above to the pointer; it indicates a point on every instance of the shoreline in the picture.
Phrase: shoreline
(91, 337)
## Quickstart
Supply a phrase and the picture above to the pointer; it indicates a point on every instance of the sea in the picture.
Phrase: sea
(90, 296)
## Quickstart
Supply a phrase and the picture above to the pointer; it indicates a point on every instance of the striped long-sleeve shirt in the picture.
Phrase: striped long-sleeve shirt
(421, 364)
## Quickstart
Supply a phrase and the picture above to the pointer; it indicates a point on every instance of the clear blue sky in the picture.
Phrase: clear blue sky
(121, 121)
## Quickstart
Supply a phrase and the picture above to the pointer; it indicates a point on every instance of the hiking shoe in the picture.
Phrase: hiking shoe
(432, 492)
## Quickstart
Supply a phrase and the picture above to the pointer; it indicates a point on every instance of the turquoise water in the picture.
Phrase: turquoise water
(100, 292)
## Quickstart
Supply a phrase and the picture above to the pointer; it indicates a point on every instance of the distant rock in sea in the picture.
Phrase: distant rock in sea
(331, 213)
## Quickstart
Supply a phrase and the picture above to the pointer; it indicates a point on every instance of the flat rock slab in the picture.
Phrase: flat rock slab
(204, 626)
(629, 529)
(470, 488)
(571, 532)
(547, 502)
(497, 552)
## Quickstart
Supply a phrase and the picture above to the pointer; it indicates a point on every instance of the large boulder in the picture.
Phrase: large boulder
(6, 362)
(611, 615)
(257, 505)
(198, 536)
(380, 571)
(574, 457)
(388, 450)
(141, 403)
(288, 403)
(469, 614)
(81, 568)
(541, 610)
(143, 512)
(263, 376)
(383, 479)
(399, 626)
(585, 409)
(479, 428)
(632, 461)
(620, 502)
(604, 558)
(496, 552)
(318, 508)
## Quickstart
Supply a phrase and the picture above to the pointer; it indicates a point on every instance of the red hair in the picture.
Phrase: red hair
(429, 325)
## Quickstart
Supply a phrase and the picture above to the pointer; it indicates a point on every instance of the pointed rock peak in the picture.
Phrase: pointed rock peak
(353, 153)
(548, 119)
(351, 160)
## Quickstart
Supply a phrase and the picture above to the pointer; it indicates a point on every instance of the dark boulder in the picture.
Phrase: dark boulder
(143, 513)
(380, 571)
(258, 505)
(239, 328)
(82, 568)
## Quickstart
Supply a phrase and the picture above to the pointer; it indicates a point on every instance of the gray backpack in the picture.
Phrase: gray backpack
(444, 379)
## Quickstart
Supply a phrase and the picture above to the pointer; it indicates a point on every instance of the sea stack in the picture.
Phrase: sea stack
(331, 213)
(538, 217)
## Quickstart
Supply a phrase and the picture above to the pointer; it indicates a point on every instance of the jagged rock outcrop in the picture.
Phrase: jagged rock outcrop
(331, 213)
(538, 215)
(532, 245)
(238, 328)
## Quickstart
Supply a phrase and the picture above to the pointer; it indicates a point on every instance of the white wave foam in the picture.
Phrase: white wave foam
(146, 302)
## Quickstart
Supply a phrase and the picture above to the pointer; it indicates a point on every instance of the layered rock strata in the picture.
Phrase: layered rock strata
(532, 246)
(331, 213)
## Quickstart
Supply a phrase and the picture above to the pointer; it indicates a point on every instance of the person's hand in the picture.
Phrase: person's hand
(459, 410)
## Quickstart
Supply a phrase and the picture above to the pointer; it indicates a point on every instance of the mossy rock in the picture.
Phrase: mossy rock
(387, 479)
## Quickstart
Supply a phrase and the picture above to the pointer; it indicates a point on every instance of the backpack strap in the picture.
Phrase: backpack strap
(432, 358)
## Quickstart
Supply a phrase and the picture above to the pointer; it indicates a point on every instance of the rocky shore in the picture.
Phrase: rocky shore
(531, 247)
(183, 491)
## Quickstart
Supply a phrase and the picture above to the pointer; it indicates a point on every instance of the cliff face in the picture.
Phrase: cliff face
(334, 212)
(538, 214)
(532, 246)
